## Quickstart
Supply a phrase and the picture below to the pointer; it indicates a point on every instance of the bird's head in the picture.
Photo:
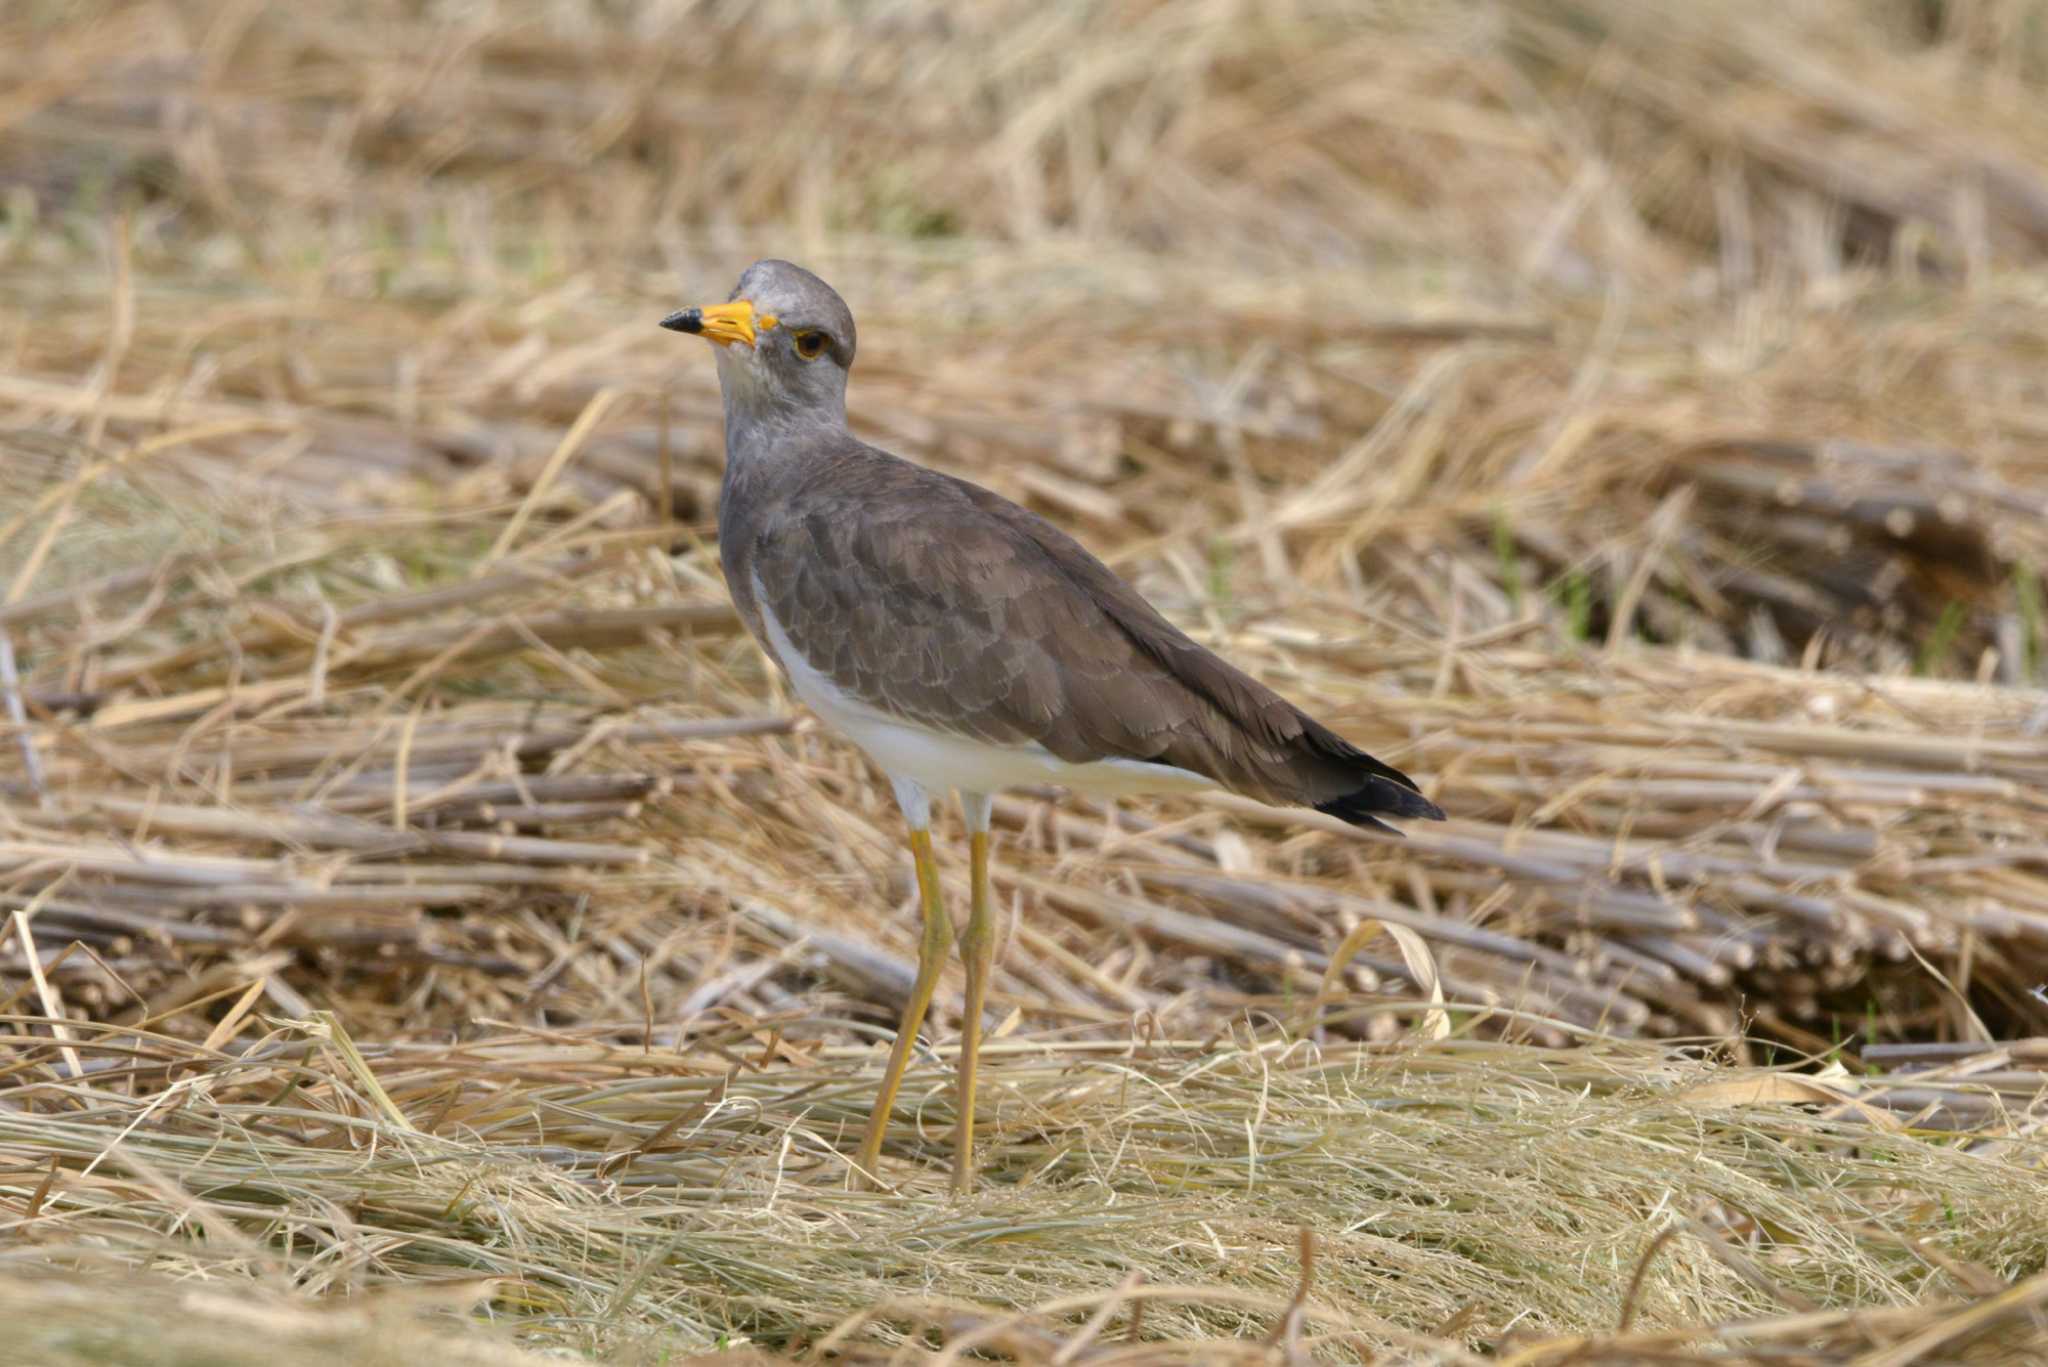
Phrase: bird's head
(785, 342)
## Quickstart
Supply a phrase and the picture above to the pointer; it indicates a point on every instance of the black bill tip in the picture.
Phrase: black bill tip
(685, 320)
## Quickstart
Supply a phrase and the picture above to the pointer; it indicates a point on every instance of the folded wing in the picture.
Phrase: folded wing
(944, 604)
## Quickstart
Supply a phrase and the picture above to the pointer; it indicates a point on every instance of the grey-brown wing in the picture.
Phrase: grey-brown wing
(940, 602)
(922, 605)
(1234, 728)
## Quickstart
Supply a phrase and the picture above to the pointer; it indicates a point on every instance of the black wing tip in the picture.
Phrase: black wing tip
(1379, 797)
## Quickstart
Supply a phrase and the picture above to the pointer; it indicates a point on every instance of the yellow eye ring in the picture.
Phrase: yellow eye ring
(810, 345)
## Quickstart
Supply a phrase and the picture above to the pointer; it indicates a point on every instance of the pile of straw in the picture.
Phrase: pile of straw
(538, 774)
(414, 885)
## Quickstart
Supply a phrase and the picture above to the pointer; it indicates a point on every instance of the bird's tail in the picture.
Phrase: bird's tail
(1381, 789)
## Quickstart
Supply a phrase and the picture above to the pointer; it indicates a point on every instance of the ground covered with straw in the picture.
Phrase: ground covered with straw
(429, 930)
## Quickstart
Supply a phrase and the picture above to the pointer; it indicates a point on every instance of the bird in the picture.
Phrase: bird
(965, 643)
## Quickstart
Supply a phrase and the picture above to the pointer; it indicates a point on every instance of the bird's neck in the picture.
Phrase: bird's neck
(768, 448)
(761, 436)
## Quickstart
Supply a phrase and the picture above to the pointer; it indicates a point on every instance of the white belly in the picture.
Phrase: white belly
(938, 761)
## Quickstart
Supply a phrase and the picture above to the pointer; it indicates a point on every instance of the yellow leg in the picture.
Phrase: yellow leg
(977, 951)
(931, 957)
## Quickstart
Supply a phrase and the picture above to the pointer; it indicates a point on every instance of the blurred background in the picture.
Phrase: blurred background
(1631, 420)
(1444, 300)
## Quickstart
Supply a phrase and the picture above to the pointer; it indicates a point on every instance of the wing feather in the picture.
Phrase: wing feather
(943, 604)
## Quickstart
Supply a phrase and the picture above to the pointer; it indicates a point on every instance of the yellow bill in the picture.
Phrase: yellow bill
(721, 323)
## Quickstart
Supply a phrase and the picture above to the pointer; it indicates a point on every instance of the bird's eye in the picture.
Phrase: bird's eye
(810, 345)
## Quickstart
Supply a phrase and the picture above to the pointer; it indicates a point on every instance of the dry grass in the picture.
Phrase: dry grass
(636, 1198)
(417, 891)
